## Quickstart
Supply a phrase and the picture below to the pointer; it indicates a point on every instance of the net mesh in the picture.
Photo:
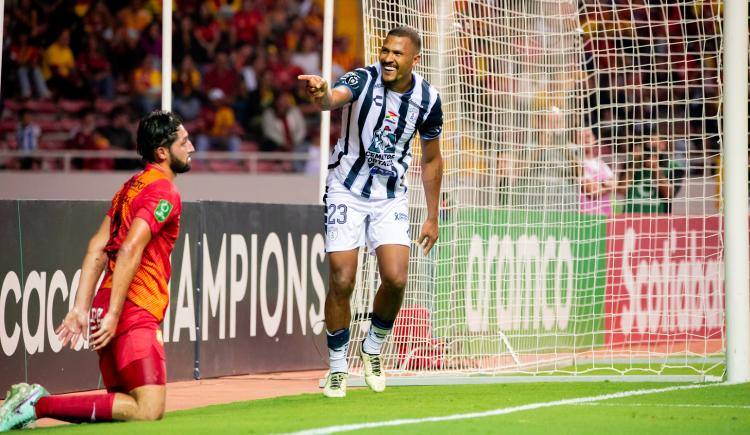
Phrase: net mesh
(580, 228)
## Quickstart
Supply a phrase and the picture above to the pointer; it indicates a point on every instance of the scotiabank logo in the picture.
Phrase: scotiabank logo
(664, 280)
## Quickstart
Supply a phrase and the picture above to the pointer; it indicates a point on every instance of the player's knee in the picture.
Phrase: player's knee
(395, 283)
(342, 283)
(151, 413)
(127, 411)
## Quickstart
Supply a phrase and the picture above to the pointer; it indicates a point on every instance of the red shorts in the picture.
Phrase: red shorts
(135, 356)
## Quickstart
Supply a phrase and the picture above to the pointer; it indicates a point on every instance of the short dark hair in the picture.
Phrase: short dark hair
(157, 129)
(407, 32)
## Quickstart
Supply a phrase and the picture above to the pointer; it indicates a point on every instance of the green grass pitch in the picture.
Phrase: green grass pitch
(715, 409)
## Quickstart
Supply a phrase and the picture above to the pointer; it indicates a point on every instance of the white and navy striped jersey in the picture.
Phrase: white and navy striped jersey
(374, 151)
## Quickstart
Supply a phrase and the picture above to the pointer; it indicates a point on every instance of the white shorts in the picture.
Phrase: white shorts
(351, 220)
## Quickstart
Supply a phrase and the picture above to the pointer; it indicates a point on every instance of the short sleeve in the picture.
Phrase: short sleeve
(158, 204)
(432, 127)
(354, 80)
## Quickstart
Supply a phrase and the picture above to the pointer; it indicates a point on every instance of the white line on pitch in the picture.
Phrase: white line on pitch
(494, 412)
(665, 405)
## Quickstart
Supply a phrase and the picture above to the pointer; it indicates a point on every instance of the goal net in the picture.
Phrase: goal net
(580, 212)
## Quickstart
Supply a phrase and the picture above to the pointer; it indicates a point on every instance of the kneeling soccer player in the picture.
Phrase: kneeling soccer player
(132, 247)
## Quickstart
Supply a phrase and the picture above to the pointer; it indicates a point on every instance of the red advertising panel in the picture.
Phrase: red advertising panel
(665, 279)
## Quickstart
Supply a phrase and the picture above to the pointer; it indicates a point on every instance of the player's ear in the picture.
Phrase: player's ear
(161, 154)
(417, 58)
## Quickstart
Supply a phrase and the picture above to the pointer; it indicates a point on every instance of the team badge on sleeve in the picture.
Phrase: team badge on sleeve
(351, 78)
(162, 210)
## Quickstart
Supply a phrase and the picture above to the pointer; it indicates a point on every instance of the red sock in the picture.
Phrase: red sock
(86, 408)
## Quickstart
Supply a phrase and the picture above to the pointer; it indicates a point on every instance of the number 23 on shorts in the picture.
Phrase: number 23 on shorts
(336, 214)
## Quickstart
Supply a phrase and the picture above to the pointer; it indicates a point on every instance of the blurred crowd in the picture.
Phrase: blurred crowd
(79, 74)
(594, 103)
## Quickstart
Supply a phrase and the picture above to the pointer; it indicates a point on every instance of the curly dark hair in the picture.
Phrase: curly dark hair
(157, 129)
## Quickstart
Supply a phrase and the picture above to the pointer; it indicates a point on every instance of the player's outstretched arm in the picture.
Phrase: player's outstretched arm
(76, 322)
(128, 260)
(323, 95)
(432, 177)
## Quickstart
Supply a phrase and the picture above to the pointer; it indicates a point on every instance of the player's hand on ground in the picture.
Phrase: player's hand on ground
(74, 325)
(428, 236)
(316, 85)
(105, 333)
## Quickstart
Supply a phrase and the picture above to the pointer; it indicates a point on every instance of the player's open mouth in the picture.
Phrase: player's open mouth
(389, 68)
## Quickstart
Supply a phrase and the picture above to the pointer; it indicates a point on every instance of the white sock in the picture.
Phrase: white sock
(338, 345)
(373, 343)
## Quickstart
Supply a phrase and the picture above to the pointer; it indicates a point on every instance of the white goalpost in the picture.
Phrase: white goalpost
(582, 230)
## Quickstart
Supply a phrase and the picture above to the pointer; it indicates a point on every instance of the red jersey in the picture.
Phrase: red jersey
(151, 196)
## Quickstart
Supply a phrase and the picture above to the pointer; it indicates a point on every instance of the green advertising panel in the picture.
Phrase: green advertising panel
(527, 281)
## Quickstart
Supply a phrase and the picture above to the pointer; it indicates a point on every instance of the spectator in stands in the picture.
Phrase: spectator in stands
(59, 68)
(27, 139)
(136, 17)
(308, 56)
(87, 137)
(343, 60)
(647, 187)
(284, 127)
(100, 22)
(120, 137)
(28, 20)
(598, 182)
(672, 162)
(208, 34)
(96, 69)
(150, 42)
(27, 58)
(146, 87)
(312, 164)
(225, 9)
(187, 86)
(251, 92)
(291, 38)
(185, 43)
(284, 71)
(123, 48)
(219, 125)
(314, 20)
(221, 75)
(244, 23)
(543, 171)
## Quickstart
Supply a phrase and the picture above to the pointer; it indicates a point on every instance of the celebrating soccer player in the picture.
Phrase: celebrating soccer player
(385, 105)
(132, 246)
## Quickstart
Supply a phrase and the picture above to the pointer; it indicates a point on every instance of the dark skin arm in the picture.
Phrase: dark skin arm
(432, 176)
(128, 260)
(323, 96)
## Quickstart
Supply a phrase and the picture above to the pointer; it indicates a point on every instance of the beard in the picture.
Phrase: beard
(177, 166)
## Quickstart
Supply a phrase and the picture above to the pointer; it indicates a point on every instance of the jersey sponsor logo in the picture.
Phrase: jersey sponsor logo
(162, 210)
(381, 152)
(378, 100)
(398, 216)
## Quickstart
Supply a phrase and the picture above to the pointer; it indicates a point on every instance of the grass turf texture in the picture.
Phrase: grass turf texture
(716, 409)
